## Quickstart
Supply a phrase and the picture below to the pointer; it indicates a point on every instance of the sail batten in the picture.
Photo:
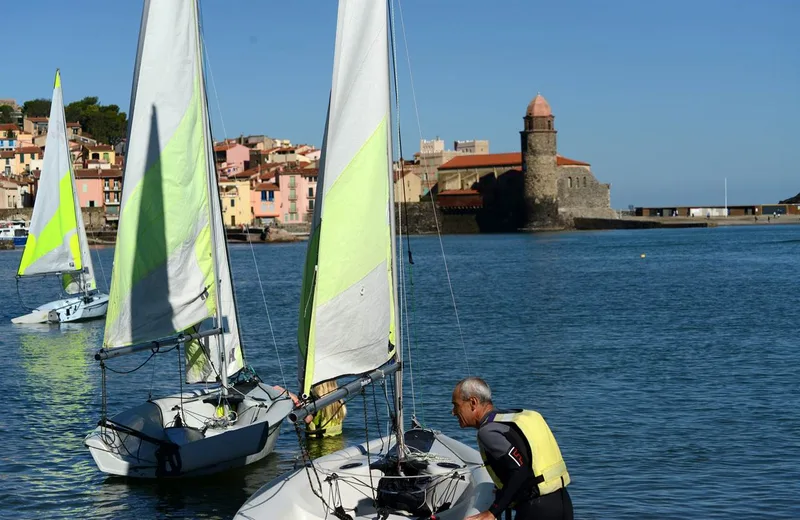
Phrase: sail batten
(57, 241)
(164, 280)
(347, 306)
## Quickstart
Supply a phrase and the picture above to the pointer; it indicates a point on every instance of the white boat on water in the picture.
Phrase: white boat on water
(56, 243)
(16, 230)
(350, 319)
(171, 286)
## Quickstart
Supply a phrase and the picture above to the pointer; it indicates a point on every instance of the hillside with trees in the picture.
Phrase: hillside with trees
(105, 123)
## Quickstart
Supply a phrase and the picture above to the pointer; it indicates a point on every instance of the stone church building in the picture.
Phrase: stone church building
(556, 191)
(548, 189)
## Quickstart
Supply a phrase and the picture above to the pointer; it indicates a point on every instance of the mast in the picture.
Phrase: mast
(76, 205)
(213, 197)
(398, 376)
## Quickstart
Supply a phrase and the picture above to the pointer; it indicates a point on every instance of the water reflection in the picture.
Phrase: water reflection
(58, 390)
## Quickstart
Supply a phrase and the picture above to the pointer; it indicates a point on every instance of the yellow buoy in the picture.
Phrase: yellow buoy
(642, 255)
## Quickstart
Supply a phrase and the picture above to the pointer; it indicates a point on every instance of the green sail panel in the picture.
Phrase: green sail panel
(349, 329)
(164, 279)
(53, 244)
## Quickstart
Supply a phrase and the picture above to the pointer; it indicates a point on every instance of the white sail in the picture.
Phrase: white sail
(347, 305)
(171, 259)
(57, 240)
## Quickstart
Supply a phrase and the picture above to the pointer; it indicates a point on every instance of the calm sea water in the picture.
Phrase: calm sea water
(672, 382)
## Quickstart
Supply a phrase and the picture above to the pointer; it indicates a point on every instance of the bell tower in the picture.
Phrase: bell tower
(539, 164)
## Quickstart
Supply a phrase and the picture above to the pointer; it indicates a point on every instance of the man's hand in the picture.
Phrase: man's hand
(486, 515)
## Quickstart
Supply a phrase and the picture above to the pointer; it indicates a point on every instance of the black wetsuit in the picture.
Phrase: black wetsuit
(509, 456)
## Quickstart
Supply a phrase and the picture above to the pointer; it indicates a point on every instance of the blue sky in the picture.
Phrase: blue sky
(664, 99)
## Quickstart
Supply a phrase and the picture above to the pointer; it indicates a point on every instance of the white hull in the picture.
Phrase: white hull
(68, 310)
(161, 449)
(452, 485)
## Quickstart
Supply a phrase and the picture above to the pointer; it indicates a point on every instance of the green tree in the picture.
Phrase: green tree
(103, 122)
(36, 108)
(5, 114)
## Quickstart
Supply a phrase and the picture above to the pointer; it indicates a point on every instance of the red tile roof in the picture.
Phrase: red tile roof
(499, 159)
(266, 186)
(37, 119)
(8, 126)
(6, 155)
(566, 161)
(458, 199)
(95, 173)
(223, 147)
(28, 149)
(100, 147)
(446, 193)
(72, 125)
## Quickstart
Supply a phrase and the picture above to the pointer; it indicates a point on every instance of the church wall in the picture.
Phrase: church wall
(579, 192)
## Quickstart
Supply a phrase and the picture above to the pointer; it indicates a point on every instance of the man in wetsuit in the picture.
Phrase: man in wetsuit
(520, 453)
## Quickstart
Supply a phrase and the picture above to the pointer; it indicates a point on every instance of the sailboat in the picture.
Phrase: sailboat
(171, 284)
(350, 324)
(57, 243)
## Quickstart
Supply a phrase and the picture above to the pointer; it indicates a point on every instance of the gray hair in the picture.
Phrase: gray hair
(470, 387)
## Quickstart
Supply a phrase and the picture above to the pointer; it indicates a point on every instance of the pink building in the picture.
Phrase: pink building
(265, 203)
(231, 155)
(298, 189)
(100, 188)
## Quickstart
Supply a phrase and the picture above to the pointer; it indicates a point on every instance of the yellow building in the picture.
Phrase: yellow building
(235, 195)
(407, 188)
(101, 153)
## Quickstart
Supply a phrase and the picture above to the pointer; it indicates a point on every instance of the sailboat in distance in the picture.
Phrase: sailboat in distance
(57, 243)
(171, 284)
(350, 322)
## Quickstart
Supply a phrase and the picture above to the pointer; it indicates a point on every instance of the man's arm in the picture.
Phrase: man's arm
(503, 454)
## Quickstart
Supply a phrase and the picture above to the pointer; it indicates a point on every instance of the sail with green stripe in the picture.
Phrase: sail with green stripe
(347, 303)
(57, 240)
(171, 269)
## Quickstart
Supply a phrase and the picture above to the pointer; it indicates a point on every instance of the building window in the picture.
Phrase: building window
(271, 196)
(293, 216)
(85, 187)
(105, 156)
(310, 192)
(292, 194)
(570, 182)
(292, 207)
(91, 203)
(95, 156)
(584, 182)
(292, 181)
(311, 204)
(22, 157)
(105, 183)
(233, 203)
(264, 195)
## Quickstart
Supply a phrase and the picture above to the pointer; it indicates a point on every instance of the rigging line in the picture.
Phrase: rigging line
(211, 72)
(433, 198)
(225, 133)
(266, 307)
(100, 263)
(366, 434)
(401, 220)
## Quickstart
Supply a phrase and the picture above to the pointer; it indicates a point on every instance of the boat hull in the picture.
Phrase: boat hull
(78, 308)
(453, 485)
(145, 442)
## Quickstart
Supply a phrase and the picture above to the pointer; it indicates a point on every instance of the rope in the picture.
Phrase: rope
(100, 263)
(433, 198)
(369, 462)
(266, 307)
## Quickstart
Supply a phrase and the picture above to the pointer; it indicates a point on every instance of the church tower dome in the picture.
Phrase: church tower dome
(539, 107)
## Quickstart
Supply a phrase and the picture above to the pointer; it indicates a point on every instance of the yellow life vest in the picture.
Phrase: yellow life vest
(324, 426)
(547, 464)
